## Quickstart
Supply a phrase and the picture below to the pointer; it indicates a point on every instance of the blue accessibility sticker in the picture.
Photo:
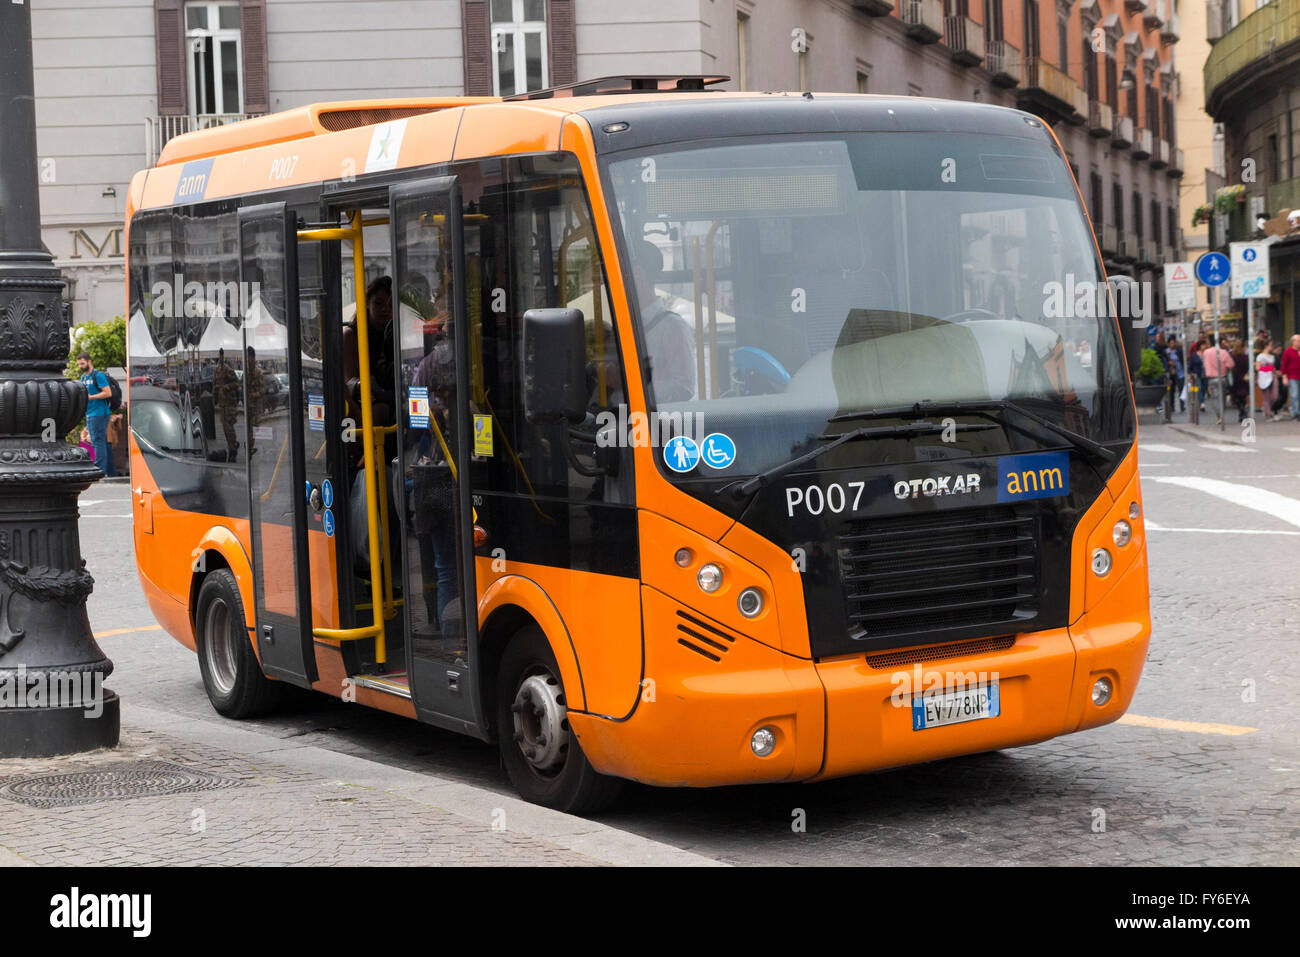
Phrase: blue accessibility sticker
(718, 451)
(681, 454)
(329, 524)
(1039, 475)
(327, 493)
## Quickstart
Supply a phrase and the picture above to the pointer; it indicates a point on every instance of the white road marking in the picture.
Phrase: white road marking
(1248, 496)
(113, 515)
(1224, 447)
(1153, 527)
(1289, 448)
(1157, 447)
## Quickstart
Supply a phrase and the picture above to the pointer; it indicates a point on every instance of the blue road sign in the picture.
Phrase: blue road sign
(1213, 269)
(1248, 255)
(681, 454)
(718, 451)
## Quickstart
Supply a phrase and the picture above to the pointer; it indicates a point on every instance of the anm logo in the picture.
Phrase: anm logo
(1041, 475)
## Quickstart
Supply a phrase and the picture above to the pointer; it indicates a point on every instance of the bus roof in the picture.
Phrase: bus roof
(673, 107)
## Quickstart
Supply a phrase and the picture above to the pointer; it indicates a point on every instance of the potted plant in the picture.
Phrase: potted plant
(1150, 387)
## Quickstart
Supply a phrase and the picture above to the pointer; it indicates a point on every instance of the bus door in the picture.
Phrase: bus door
(273, 403)
(434, 444)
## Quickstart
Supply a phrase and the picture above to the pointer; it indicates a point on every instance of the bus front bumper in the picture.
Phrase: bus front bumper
(695, 720)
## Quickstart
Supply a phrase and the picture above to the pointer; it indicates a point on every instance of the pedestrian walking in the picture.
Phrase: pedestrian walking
(226, 390)
(1291, 374)
(1266, 379)
(1179, 373)
(1240, 378)
(1218, 363)
(1196, 374)
(98, 394)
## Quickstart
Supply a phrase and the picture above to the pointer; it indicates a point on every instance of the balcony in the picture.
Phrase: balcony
(965, 38)
(1262, 49)
(1109, 239)
(1216, 21)
(1002, 60)
(1175, 165)
(158, 130)
(923, 20)
(1284, 195)
(1171, 32)
(1051, 94)
(1160, 155)
(1135, 6)
(874, 8)
(1154, 17)
(1100, 118)
(1143, 145)
(1128, 248)
(1122, 135)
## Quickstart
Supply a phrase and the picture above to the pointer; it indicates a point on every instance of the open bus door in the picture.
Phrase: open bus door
(268, 275)
(433, 451)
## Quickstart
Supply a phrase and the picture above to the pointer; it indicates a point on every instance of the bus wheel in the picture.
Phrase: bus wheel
(540, 752)
(231, 675)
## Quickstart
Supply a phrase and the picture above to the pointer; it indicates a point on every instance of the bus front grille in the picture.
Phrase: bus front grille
(912, 576)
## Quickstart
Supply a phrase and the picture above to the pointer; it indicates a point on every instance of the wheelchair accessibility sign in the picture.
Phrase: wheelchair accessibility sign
(718, 451)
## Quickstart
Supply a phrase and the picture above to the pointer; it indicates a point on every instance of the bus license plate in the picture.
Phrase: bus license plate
(954, 707)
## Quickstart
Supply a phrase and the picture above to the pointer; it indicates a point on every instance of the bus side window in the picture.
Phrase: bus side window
(531, 245)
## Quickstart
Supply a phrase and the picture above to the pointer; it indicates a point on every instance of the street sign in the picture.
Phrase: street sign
(1249, 270)
(1180, 286)
(1213, 269)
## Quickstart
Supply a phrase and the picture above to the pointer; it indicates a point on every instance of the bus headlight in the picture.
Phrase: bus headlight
(1100, 562)
(750, 602)
(1102, 689)
(709, 578)
(1122, 533)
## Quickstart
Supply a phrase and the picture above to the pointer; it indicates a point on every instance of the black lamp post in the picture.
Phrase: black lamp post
(52, 698)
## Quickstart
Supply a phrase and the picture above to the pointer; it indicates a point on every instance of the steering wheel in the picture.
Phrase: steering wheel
(752, 362)
(967, 315)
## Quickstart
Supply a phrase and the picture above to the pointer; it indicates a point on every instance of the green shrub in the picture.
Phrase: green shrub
(1151, 368)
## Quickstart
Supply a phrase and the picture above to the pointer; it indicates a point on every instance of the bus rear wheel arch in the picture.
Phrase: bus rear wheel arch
(232, 676)
(540, 752)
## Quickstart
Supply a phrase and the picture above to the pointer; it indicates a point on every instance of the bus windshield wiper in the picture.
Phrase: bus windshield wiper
(763, 479)
(986, 408)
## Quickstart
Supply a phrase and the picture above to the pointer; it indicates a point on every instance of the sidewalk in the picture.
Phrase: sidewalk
(1282, 428)
(189, 791)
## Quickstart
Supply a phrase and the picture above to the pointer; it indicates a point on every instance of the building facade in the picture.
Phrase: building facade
(115, 81)
(1252, 88)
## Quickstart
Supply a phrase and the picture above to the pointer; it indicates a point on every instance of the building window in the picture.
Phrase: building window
(1117, 205)
(1063, 34)
(1173, 227)
(742, 51)
(1155, 222)
(518, 46)
(1089, 64)
(864, 80)
(1098, 199)
(1031, 28)
(1137, 214)
(213, 58)
(992, 20)
(1112, 78)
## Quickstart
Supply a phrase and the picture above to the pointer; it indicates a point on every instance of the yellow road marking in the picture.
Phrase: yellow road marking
(1196, 727)
(123, 631)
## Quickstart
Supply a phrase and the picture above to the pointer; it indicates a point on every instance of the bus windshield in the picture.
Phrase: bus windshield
(783, 286)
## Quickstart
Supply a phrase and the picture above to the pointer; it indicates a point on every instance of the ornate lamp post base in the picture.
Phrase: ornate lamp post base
(45, 732)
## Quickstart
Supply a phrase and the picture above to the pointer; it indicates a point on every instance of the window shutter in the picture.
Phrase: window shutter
(252, 30)
(169, 41)
(476, 30)
(561, 31)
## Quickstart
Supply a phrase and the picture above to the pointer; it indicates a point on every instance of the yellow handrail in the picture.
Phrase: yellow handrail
(353, 231)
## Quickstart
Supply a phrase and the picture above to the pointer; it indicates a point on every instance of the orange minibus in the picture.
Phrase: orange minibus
(650, 431)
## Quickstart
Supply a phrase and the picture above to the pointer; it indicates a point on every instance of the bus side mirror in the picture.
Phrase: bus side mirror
(554, 365)
(1132, 328)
